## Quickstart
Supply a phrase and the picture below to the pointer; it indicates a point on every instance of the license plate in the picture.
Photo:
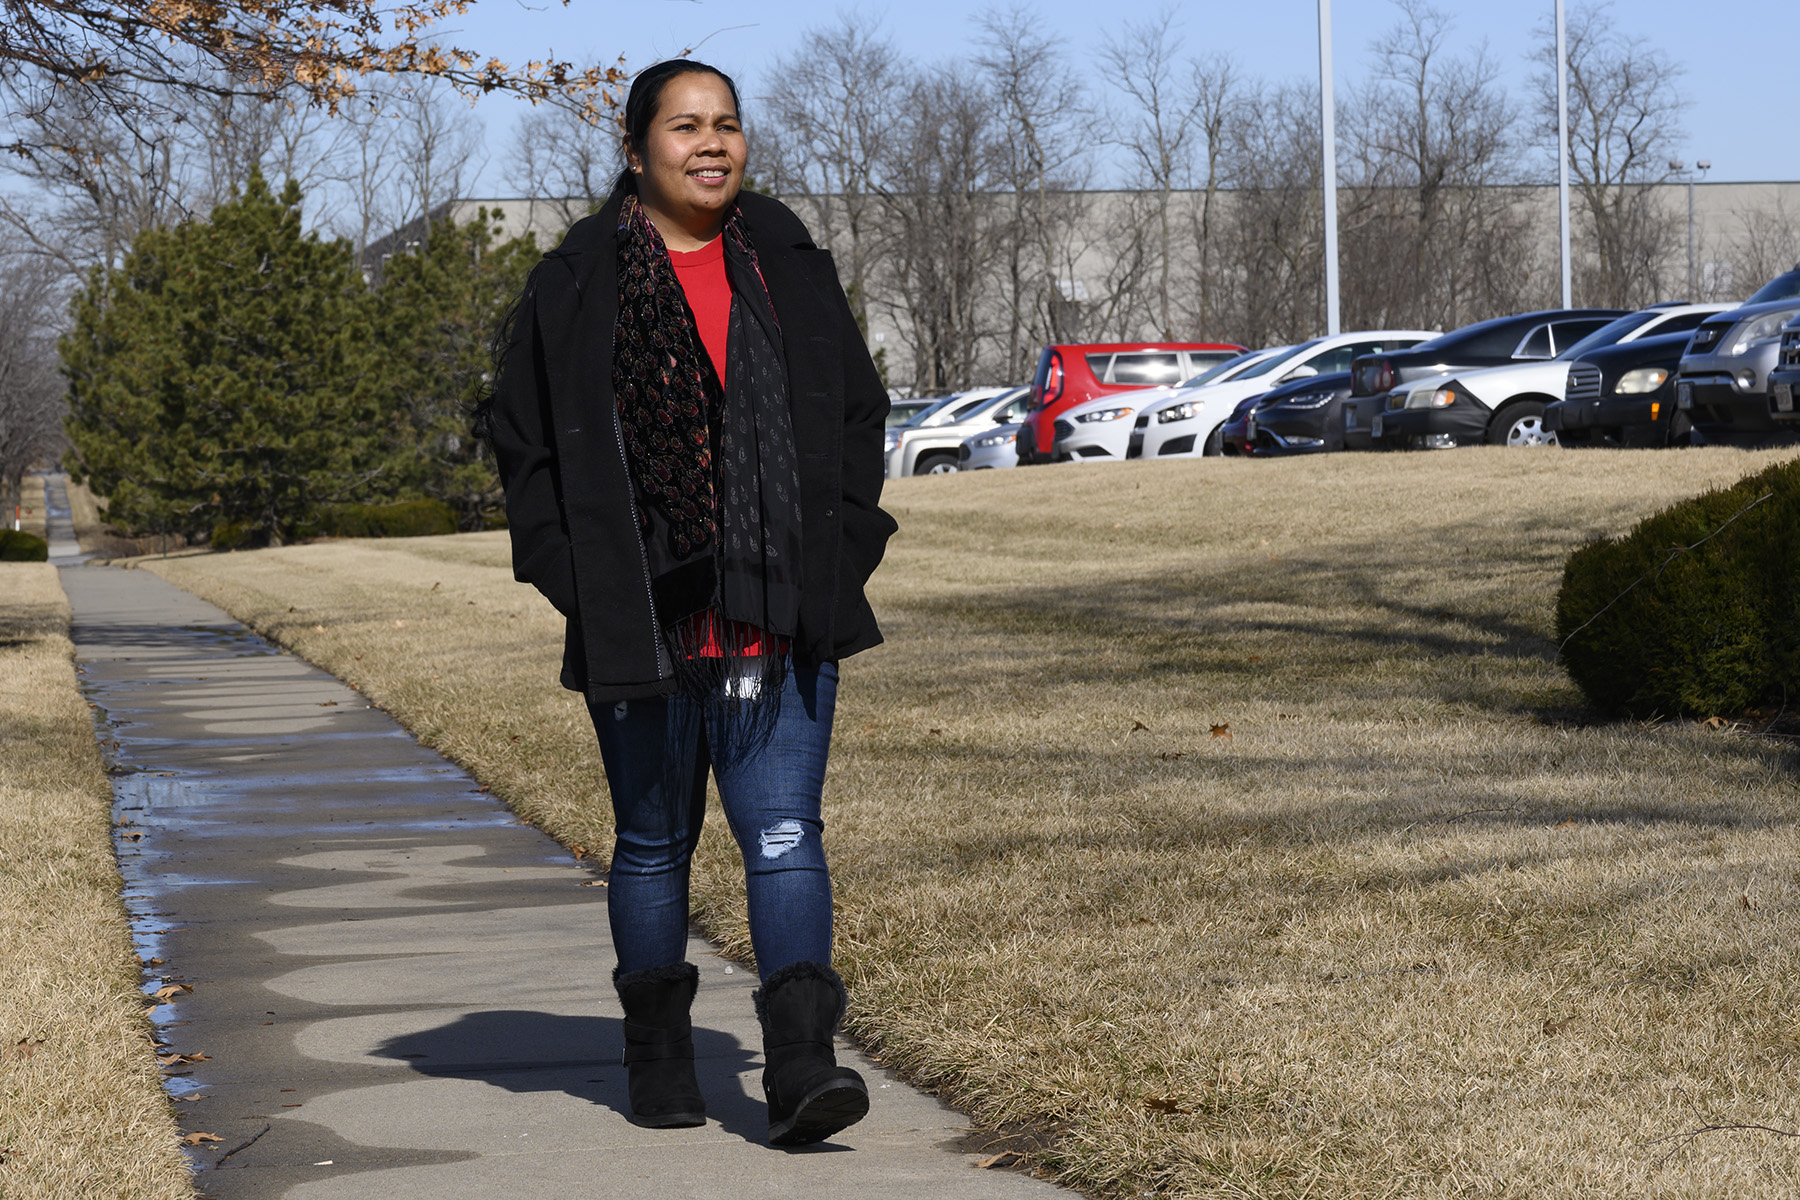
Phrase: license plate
(1684, 395)
(1375, 427)
(1784, 397)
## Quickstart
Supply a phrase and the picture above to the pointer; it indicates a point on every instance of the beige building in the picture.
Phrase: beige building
(1743, 233)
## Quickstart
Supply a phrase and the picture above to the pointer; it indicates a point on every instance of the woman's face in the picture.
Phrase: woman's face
(692, 163)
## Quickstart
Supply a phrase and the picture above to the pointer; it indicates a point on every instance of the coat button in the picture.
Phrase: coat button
(830, 512)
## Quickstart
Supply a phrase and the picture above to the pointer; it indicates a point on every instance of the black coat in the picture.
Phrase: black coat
(569, 504)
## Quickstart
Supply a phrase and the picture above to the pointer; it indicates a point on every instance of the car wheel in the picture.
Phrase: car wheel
(1681, 430)
(1521, 424)
(1215, 443)
(936, 464)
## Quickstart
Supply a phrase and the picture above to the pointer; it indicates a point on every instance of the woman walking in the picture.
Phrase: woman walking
(689, 429)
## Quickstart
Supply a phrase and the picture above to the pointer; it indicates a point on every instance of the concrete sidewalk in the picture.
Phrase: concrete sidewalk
(398, 987)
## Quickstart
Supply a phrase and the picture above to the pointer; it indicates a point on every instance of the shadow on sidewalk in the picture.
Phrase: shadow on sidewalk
(525, 1051)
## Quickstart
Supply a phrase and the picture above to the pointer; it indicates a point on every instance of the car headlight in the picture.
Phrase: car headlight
(1305, 400)
(1103, 414)
(1178, 412)
(1640, 382)
(1763, 329)
(892, 440)
(995, 439)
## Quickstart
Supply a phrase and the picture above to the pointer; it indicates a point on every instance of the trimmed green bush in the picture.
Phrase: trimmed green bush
(229, 535)
(1694, 611)
(408, 518)
(18, 546)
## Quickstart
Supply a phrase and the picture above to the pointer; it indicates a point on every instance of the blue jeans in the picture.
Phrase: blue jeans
(657, 754)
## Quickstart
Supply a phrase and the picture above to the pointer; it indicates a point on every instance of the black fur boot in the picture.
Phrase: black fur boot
(810, 1097)
(659, 1046)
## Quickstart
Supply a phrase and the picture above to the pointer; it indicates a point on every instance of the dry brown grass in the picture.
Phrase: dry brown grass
(82, 1110)
(1417, 927)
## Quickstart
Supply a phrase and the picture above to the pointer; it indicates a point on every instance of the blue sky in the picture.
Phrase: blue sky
(1741, 59)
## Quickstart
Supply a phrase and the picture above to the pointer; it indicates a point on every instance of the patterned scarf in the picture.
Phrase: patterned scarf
(712, 462)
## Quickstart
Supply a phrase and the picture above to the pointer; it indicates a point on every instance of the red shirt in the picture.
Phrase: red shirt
(702, 276)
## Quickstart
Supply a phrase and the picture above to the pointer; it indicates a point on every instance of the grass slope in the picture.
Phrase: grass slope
(82, 1110)
(1226, 827)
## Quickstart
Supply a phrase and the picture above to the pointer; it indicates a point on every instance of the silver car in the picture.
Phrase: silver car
(993, 448)
(1723, 381)
(931, 442)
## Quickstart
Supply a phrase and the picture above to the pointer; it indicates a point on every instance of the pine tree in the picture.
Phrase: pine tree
(437, 310)
(224, 375)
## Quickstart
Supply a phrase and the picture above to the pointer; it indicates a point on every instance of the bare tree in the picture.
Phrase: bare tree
(1157, 131)
(1766, 244)
(833, 105)
(31, 391)
(1624, 123)
(935, 191)
(566, 158)
(438, 150)
(1042, 163)
(1431, 231)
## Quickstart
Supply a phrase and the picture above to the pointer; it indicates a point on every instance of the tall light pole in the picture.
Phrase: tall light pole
(1328, 137)
(1681, 168)
(1562, 154)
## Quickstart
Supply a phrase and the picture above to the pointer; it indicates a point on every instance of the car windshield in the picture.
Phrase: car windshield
(1609, 333)
(1275, 360)
(1219, 370)
(929, 410)
(1785, 286)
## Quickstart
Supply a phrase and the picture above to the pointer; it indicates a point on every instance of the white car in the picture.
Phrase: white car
(1523, 390)
(994, 448)
(930, 442)
(1190, 424)
(1100, 430)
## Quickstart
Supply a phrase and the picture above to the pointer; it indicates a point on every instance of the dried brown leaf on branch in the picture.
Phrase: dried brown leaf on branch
(321, 52)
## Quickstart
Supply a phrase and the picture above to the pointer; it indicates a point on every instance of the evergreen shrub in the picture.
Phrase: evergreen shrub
(1694, 611)
(18, 546)
(408, 518)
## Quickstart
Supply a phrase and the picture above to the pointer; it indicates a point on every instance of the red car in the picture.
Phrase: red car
(1067, 375)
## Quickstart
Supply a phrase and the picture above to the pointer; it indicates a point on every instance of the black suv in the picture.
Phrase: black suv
(1377, 411)
(1623, 395)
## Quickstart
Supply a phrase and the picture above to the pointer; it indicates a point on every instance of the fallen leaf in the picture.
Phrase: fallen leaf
(195, 1139)
(580, 852)
(328, 704)
(1005, 1158)
(593, 883)
(1254, 658)
(1552, 1028)
(1222, 731)
(21, 1050)
(151, 962)
(318, 629)
(399, 624)
(934, 732)
(1137, 725)
(1565, 821)
(132, 837)
(176, 1060)
(169, 991)
(291, 608)
(1714, 722)
(437, 585)
(1164, 1105)
(1745, 902)
(1172, 755)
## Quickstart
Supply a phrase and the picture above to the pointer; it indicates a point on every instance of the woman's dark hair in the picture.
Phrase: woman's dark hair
(646, 94)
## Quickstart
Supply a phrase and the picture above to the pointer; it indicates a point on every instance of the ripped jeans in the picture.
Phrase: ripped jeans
(657, 754)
